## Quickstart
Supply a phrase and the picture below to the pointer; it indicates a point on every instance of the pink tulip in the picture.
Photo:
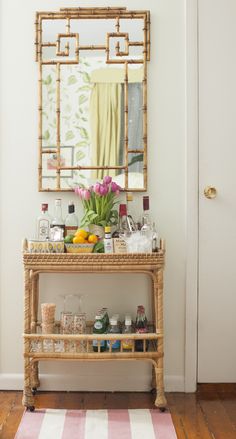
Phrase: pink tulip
(103, 189)
(115, 187)
(107, 179)
(86, 194)
(78, 191)
(96, 188)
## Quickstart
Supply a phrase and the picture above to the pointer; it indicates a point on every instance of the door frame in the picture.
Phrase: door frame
(192, 193)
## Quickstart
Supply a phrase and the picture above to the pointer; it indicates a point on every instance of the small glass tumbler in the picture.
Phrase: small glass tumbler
(79, 324)
(80, 328)
(48, 312)
(67, 321)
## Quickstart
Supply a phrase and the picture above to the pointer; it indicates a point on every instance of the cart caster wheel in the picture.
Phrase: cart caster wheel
(34, 390)
(31, 408)
(162, 409)
(153, 391)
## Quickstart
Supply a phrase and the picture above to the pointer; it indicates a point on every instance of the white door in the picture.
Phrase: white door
(217, 168)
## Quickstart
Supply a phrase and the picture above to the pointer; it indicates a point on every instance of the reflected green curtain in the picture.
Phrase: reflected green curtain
(105, 120)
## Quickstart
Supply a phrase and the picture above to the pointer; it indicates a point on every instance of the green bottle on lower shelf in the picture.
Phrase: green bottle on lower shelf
(99, 327)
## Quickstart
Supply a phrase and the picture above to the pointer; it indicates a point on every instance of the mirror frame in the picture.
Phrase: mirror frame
(114, 13)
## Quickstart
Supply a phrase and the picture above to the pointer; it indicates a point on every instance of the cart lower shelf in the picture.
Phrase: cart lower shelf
(48, 347)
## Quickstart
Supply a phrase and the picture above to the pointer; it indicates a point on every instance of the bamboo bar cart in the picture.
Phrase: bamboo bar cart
(45, 347)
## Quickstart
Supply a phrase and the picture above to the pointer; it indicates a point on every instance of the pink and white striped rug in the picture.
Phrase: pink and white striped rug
(96, 424)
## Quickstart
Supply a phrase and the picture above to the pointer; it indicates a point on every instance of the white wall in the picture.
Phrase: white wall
(20, 200)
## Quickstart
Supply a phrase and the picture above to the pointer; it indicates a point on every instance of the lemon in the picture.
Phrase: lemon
(78, 239)
(82, 232)
(92, 239)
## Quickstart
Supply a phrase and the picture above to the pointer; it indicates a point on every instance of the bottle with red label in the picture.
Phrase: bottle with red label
(43, 223)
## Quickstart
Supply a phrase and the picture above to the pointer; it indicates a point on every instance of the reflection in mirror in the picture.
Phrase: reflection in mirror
(92, 111)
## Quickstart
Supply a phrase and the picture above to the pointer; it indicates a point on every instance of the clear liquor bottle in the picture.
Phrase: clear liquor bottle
(154, 238)
(130, 217)
(71, 221)
(58, 224)
(123, 228)
(113, 329)
(43, 223)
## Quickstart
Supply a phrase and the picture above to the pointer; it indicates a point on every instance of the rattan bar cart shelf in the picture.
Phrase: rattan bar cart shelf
(41, 347)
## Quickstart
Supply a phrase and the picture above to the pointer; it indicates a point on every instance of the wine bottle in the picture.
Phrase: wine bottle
(146, 218)
(71, 221)
(141, 327)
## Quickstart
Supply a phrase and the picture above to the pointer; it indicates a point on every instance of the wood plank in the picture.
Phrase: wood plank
(191, 416)
(117, 400)
(216, 388)
(94, 400)
(48, 400)
(6, 403)
(228, 401)
(176, 417)
(218, 421)
(9, 428)
(141, 400)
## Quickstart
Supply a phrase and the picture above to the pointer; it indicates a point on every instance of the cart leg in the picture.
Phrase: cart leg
(160, 401)
(153, 382)
(28, 399)
(35, 383)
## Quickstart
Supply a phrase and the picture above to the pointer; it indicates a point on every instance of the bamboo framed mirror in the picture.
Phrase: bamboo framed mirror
(92, 97)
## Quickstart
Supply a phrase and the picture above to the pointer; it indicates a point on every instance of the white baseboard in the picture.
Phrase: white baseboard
(89, 383)
(174, 383)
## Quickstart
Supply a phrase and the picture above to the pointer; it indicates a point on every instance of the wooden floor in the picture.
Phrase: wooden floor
(210, 413)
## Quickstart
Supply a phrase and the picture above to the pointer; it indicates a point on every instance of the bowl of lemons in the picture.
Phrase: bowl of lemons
(80, 242)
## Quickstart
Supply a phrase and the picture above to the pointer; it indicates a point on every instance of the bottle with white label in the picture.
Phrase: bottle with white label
(123, 227)
(58, 223)
(113, 329)
(43, 223)
(108, 243)
(99, 327)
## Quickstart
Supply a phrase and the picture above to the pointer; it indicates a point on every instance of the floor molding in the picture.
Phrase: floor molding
(110, 383)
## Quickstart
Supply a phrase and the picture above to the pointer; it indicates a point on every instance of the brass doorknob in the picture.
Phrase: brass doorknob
(210, 192)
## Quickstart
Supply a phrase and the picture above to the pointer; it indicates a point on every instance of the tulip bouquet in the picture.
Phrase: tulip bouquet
(99, 202)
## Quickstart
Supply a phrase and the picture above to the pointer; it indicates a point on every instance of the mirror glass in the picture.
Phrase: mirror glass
(92, 93)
